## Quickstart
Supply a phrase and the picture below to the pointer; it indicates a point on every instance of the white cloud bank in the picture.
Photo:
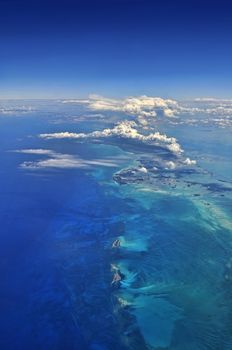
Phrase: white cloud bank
(40, 151)
(145, 109)
(125, 130)
(171, 165)
(14, 110)
(61, 161)
(141, 106)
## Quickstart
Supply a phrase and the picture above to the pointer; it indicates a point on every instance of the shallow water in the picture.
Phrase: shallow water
(57, 259)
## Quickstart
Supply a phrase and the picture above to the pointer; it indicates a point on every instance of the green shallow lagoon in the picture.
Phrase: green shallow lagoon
(181, 282)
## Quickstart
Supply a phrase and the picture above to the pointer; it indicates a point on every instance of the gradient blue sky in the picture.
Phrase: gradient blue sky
(177, 49)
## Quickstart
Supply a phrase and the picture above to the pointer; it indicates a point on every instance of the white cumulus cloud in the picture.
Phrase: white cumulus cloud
(144, 109)
(126, 130)
(141, 106)
(189, 161)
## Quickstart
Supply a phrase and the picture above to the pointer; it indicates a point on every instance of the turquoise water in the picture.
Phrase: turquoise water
(59, 225)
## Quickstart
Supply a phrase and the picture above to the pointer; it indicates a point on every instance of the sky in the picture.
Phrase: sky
(62, 49)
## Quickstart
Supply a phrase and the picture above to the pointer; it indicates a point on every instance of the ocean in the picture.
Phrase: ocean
(111, 242)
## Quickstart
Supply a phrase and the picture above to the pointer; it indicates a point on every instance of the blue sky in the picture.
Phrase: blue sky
(57, 49)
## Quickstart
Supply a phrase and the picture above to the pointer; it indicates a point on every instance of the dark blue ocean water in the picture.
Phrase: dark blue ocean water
(56, 257)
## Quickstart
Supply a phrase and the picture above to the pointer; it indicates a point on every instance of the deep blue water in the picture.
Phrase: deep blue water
(58, 225)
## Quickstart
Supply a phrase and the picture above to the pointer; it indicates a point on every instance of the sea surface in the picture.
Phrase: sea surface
(99, 250)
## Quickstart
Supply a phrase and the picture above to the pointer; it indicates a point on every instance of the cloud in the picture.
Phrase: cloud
(12, 110)
(189, 161)
(36, 151)
(61, 161)
(140, 107)
(213, 100)
(170, 165)
(209, 106)
(145, 109)
(142, 169)
(125, 130)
